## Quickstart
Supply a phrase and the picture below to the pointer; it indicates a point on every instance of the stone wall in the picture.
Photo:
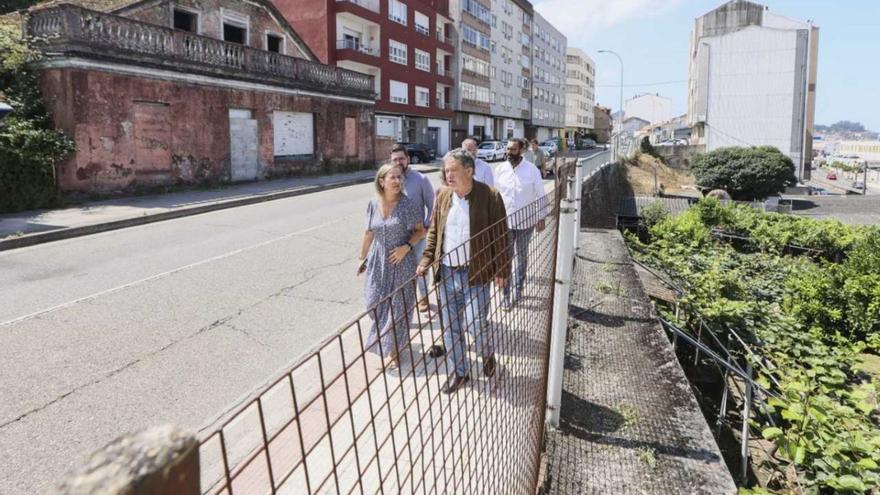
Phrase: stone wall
(601, 194)
(679, 157)
(134, 131)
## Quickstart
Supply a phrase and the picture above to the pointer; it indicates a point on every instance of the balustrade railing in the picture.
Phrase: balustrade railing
(75, 29)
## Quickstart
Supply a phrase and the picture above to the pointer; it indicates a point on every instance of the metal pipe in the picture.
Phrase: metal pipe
(747, 407)
(561, 287)
(578, 191)
(620, 125)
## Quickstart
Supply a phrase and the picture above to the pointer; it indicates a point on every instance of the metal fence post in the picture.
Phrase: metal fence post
(747, 408)
(561, 288)
(578, 191)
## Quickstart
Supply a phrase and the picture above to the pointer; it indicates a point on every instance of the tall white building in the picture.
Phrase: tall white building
(548, 76)
(580, 93)
(753, 81)
(652, 108)
(511, 70)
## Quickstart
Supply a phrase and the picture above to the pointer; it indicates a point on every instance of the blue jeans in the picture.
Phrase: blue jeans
(519, 253)
(418, 249)
(464, 308)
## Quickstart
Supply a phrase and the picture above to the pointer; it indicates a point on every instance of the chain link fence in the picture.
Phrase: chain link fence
(341, 421)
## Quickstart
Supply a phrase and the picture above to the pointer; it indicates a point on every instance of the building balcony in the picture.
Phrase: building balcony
(478, 105)
(372, 5)
(356, 52)
(442, 38)
(526, 93)
(442, 72)
(526, 114)
(71, 30)
(475, 75)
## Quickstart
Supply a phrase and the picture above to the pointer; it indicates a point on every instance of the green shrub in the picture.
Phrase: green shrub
(29, 144)
(745, 173)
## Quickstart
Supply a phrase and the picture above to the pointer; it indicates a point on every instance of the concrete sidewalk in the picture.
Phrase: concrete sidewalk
(38, 226)
(629, 420)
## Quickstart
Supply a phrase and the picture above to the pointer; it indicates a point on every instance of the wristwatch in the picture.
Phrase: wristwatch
(408, 244)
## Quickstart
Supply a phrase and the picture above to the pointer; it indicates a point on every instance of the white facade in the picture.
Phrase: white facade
(548, 76)
(752, 81)
(580, 94)
(651, 108)
(511, 67)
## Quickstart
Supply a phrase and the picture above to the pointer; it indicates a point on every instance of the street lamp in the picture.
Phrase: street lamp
(620, 126)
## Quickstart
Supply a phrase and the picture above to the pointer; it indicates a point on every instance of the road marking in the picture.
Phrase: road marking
(167, 273)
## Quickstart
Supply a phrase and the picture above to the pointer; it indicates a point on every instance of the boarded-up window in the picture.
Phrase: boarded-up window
(294, 134)
(351, 144)
(152, 135)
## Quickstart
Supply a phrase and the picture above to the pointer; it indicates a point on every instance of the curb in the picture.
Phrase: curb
(71, 232)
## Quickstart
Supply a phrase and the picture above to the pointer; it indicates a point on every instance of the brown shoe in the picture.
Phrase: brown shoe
(423, 305)
(437, 351)
(489, 366)
(454, 383)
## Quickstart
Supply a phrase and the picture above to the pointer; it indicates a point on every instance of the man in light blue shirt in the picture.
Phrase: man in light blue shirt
(418, 188)
(482, 170)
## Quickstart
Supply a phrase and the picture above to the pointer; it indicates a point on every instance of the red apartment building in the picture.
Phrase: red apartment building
(406, 45)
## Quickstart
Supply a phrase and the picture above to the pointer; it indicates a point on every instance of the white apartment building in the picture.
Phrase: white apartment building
(511, 70)
(580, 94)
(651, 108)
(752, 81)
(473, 70)
(548, 80)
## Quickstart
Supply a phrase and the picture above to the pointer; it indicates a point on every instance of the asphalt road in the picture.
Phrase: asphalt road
(168, 322)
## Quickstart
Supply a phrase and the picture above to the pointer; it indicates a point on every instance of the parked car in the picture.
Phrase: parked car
(550, 147)
(673, 142)
(587, 144)
(419, 152)
(831, 176)
(858, 185)
(491, 151)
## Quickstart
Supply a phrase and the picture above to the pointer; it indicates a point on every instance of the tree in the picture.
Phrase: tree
(745, 173)
(12, 5)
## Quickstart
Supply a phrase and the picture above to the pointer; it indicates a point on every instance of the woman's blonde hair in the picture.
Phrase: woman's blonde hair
(381, 173)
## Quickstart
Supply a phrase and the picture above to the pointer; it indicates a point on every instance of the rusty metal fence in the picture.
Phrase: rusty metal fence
(341, 421)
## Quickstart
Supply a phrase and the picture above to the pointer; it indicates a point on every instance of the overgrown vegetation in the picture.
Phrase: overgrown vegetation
(808, 316)
(745, 173)
(29, 144)
(647, 148)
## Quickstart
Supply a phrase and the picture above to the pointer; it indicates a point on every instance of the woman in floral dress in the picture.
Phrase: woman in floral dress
(393, 226)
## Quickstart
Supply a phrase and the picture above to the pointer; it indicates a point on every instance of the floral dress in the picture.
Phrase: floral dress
(392, 316)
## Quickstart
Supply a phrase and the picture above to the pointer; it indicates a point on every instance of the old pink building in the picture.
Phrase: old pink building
(164, 92)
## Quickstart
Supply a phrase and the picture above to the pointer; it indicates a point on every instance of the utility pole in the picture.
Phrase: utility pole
(620, 126)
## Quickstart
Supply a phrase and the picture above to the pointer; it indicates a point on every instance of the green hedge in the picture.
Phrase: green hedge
(29, 144)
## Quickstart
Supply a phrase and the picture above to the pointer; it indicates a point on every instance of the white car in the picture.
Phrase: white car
(491, 151)
(549, 147)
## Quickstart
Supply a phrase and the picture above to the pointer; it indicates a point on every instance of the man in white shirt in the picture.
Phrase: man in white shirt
(468, 248)
(482, 170)
(522, 189)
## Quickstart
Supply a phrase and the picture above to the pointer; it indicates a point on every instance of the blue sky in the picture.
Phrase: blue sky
(652, 37)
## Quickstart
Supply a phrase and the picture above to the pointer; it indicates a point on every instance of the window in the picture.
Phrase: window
(235, 27)
(234, 34)
(423, 25)
(476, 38)
(478, 10)
(274, 43)
(423, 60)
(399, 92)
(474, 93)
(397, 52)
(476, 66)
(397, 11)
(423, 97)
(185, 20)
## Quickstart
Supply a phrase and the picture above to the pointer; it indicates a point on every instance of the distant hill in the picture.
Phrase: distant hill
(847, 130)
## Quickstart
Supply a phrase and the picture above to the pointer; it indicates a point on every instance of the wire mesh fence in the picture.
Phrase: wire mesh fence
(343, 420)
